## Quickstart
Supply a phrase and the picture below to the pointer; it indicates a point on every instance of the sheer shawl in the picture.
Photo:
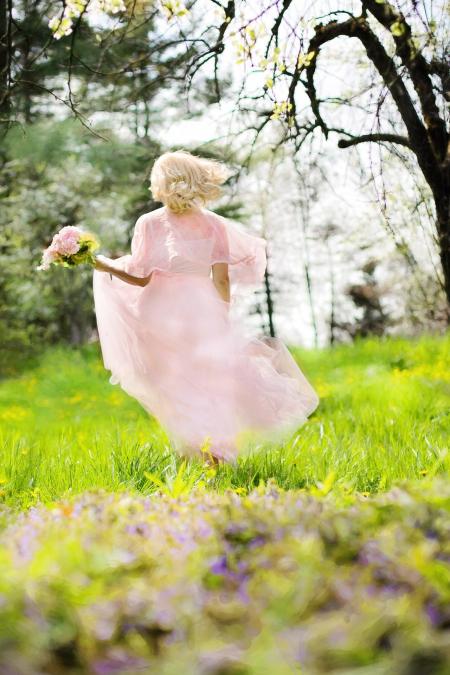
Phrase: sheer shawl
(223, 241)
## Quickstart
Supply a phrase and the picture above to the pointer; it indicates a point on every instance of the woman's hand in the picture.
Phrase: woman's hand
(101, 263)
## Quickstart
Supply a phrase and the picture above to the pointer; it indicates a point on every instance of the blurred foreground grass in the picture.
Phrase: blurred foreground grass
(384, 416)
(223, 584)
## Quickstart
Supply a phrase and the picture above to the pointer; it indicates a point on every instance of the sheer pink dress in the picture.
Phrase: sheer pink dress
(174, 347)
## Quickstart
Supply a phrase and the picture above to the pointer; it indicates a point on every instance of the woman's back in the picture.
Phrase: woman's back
(182, 243)
(191, 243)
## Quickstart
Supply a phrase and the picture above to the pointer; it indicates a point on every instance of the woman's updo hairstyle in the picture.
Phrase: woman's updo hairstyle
(183, 181)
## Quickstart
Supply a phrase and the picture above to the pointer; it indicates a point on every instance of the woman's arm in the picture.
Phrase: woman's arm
(221, 280)
(124, 276)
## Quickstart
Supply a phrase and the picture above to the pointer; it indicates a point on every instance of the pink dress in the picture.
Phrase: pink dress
(174, 347)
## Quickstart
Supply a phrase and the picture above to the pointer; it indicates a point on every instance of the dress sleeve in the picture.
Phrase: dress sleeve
(245, 253)
(140, 262)
(140, 255)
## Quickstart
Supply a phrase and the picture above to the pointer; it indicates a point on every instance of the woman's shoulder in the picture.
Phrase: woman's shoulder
(211, 214)
(147, 221)
(152, 216)
(217, 221)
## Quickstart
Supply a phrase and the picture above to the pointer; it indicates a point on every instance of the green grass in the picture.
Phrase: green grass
(384, 416)
(281, 563)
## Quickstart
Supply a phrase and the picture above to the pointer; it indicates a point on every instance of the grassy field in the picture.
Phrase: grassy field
(384, 416)
(327, 555)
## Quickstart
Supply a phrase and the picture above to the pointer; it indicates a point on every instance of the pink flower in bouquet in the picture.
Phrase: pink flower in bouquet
(67, 240)
(70, 246)
(49, 255)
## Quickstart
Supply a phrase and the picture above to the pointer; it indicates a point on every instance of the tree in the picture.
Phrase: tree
(418, 86)
(427, 135)
(98, 68)
(415, 77)
(5, 51)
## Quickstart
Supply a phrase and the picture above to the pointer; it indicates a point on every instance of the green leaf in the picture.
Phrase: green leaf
(397, 29)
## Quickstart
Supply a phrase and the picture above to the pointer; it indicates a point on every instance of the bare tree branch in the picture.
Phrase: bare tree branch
(418, 69)
(377, 138)
(359, 28)
(276, 26)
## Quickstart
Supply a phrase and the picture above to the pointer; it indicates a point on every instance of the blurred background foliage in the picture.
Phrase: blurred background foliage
(57, 173)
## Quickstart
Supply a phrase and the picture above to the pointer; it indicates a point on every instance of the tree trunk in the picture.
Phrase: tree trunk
(332, 293)
(442, 201)
(4, 60)
(269, 300)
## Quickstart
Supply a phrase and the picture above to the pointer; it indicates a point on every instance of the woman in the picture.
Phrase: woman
(166, 334)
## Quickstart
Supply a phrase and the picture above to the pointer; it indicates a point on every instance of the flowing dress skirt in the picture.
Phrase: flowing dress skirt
(173, 346)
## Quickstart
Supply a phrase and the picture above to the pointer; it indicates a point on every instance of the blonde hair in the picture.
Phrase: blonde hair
(183, 181)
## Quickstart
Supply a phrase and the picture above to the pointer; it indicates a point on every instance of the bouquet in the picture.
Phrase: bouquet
(70, 246)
